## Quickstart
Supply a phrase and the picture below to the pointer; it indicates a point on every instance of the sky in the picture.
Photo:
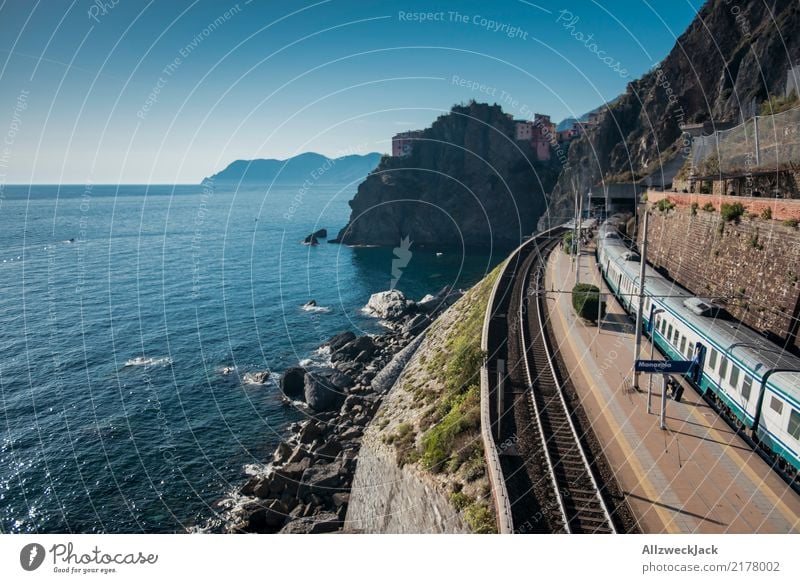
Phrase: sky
(171, 91)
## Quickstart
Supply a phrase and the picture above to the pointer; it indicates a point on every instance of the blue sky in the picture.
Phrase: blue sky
(164, 91)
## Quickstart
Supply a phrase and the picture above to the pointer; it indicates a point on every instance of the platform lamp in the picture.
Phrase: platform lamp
(654, 324)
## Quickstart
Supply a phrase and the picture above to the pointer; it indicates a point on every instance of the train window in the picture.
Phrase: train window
(663, 326)
(690, 353)
(747, 384)
(734, 378)
(669, 333)
(683, 344)
(723, 367)
(794, 424)
(776, 405)
(712, 359)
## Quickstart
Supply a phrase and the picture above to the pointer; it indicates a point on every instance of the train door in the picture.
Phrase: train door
(699, 359)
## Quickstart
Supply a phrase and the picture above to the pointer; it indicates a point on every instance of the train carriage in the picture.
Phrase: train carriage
(752, 380)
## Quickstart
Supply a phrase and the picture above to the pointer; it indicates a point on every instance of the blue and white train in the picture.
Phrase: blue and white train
(753, 382)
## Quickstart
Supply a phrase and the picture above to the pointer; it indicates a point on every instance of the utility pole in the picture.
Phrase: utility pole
(654, 324)
(578, 243)
(574, 228)
(642, 265)
(758, 145)
(663, 419)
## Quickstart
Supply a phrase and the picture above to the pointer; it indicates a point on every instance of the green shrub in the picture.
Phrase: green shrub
(460, 500)
(464, 415)
(664, 205)
(585, 298)
(766, 214)
(732, 212)
(791, 223)
(709, 207)
(695, 206)
(479, 518)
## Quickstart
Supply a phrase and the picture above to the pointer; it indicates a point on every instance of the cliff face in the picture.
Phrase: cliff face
(466, 183)
(729, 60)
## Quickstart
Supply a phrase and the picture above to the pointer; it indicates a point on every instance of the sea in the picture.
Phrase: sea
(132, 319)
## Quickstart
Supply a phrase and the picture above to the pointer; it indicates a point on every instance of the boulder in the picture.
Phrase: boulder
(336, 342)
(260, 377)
(282, 453)
(317, 524)
(321, 479)
(323, 390)
(389, 305)
(293, 382)
(310, 240)
(354, 348)
(320, 234)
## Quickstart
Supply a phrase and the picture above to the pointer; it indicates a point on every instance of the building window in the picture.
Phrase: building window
(776, 405)
(712, 359)
(794, 424)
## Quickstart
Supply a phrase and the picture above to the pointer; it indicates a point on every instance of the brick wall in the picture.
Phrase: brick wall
(781, 208)
(753, 266)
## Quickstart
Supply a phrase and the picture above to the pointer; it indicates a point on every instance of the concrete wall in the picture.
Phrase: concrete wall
(388, 499)
(754, 266)
(781, 208)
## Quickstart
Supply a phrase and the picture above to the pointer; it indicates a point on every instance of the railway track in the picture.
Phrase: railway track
(552, 481)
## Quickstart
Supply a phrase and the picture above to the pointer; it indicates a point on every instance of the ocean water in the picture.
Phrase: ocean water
(120, 308)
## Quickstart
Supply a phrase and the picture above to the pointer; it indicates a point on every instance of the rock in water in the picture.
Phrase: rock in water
(310, 240)
(322, 392)
(321, 234)
(389, 305)
(293, 382)
(353, 348)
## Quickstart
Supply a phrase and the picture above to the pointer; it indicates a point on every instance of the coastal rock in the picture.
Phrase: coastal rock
(310, 240)
(282, 453)
(293, 382)
(324, 390)
(336, 342)
(317, 524)
(257, 378)
(354, 348)
(321, 480)
(320, 234)
(388, 305)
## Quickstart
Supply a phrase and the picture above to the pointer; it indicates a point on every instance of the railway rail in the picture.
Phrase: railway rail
(550, 478)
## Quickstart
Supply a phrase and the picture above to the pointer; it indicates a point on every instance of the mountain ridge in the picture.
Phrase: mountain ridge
(298, 169)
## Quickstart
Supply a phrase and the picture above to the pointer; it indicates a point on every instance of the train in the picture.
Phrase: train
(751, 380)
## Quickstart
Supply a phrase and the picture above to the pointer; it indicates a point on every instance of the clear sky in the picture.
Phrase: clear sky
(170, 91)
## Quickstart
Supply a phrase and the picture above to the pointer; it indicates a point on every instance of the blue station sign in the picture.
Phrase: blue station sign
(664, 366)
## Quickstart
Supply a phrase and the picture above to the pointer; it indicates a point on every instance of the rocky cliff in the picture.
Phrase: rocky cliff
(730, 59)
(466, 183)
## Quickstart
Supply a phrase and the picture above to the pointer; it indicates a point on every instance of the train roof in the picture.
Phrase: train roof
(735, 338)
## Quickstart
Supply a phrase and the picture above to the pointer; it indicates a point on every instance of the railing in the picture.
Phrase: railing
(769, 142)
(502, 502)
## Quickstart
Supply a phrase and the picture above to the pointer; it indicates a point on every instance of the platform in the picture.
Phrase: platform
(698, 475)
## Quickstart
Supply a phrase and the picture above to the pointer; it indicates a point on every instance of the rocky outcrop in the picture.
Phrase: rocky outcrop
(466, 183)
(306, 487)
(308, 166)
(729, 60)
(388, 304)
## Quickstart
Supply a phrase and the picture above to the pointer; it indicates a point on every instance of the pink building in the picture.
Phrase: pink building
(539, 133)
(403, 143)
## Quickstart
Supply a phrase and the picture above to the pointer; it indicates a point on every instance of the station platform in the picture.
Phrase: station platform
(696, 476)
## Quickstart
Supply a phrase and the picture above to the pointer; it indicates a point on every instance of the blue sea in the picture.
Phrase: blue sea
(121, 308)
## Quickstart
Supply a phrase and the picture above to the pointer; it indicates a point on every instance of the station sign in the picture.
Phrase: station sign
(664, 366)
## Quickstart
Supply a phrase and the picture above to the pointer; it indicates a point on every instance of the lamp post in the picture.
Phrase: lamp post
(654, 323)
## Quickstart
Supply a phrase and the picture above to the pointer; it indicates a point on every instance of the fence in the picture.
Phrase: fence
(762, 143)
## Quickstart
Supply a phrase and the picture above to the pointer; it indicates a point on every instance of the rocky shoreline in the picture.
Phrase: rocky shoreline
(306, 488)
